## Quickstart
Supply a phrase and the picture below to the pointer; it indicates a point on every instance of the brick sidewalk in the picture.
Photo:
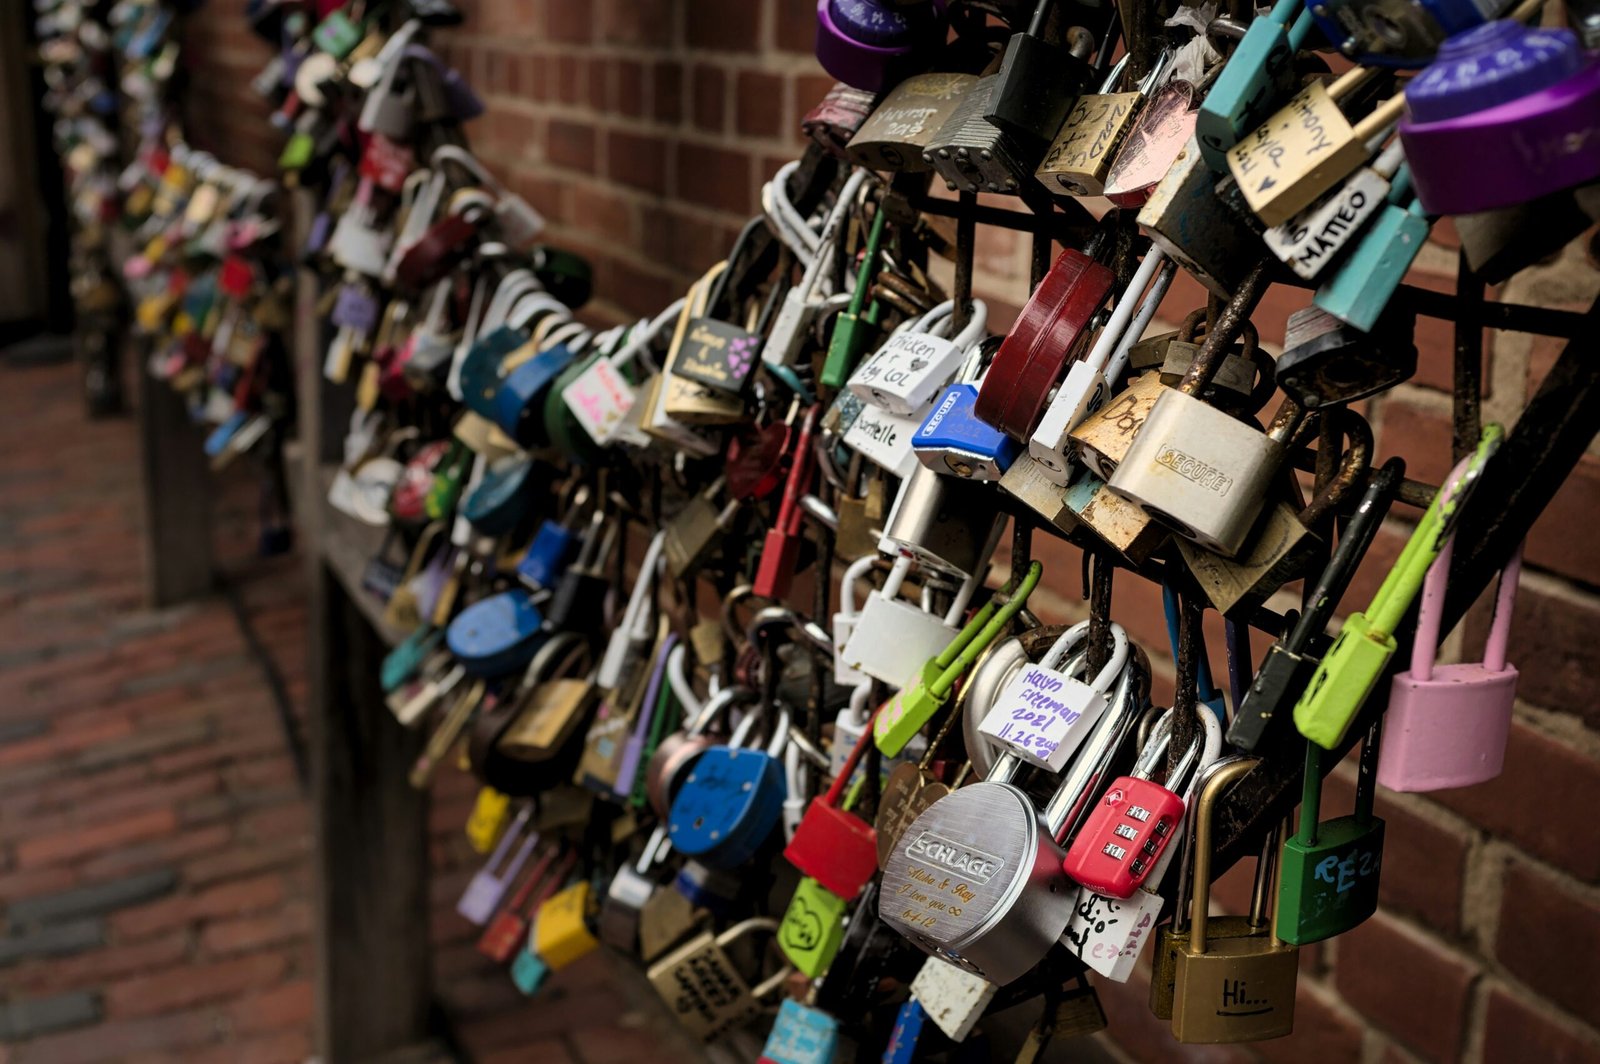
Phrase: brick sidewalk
(154, 847)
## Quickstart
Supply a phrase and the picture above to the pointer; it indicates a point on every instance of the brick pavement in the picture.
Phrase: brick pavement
(154, 846)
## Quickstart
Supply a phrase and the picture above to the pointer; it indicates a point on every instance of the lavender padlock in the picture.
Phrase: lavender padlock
(1533, 95)
(489, 885)
(872, 44)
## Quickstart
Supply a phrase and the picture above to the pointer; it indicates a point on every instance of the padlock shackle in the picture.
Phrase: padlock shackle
(974, 644)
(1132, 299)
(1225, 331)
(858, 298)
(1205, 809)
(855, 572)
(848, 769)
(1087, 771)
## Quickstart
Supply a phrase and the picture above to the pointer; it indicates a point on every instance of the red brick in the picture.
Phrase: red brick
(758, 104)
(60, 743)
(1423, 863)
(1407, 983)
(569, 23)
(194, 984)
(283, 1007)
(724, 25)
(667, 91)
(796, 27)
(108, 833)
(630, 91)
(1321, 1032)
(715, 177)
(92, 970)
(1560, 536)
(646, 22)
(1549, 936)
(708, 95)
(1518, 1030)
(175, 1035)
(571, 144)
(637, 161)
(1144, 1037)
(602, 213)
(227, 899)
(246, 933)
(284, 1047)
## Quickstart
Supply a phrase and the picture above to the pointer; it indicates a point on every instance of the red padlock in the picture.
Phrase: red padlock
(508, 931)
(444, 244)
(781, 550)
(1035, 353)
(836, 849)
(388, 164)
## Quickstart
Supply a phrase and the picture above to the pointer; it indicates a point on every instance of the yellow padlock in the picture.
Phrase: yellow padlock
(561, 933)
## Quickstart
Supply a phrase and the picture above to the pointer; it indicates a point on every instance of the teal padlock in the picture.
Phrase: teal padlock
(801, 1035)
(1359, 290)
(338, 34)
(528, 972)
(403, 662)
(1245, 93)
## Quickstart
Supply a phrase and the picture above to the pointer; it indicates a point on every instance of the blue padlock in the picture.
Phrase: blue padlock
(801, 1035)
(403, 662)
(548, 555)
(952, 439)
(1253, 79)
(499, 500)
(908, 1024)
(217, 439)
(480, 368)
(731, 801)
(496, 635)
(711, 889)
(519, 401)
(528, 971)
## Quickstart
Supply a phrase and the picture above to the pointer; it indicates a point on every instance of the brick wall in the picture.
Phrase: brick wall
(644, 129)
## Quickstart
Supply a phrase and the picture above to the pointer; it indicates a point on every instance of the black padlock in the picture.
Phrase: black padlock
(1291, 661)
(717, 351)
(1326, 361)
(564, 274)
(579, 601)
(1040, 79)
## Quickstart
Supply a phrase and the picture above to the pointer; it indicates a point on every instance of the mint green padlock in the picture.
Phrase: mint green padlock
(338, 34)
(1358, 657)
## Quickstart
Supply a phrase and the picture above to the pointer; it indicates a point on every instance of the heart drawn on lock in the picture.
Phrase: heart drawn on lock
(740, 354)
(802, 928)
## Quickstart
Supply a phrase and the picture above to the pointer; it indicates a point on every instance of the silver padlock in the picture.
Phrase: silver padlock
(977, 879)
(892, 639)
(907, 372)
(945, 523)
(518, 224)
(631, 888)
(387, 110)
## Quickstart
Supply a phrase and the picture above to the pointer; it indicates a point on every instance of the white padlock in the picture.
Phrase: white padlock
(953, 998)
(1043, 714)
(893, 639)
(786, 338)
(915, 363)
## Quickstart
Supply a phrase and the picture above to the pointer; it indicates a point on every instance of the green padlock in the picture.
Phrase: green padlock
(813, 927)
(1357, 658)
(905, 714)
(297, 151)
(445, 490)
(853, 333)
(337, 34)
(1328, 879)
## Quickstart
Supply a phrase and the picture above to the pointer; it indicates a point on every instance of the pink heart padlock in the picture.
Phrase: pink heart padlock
(1447, 724)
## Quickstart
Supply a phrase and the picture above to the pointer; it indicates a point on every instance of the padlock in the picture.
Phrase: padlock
(1502, 83)
(561, 932)
(882, 438)
(506, 933)
(1398, 33)
(600, 396)
(1351, 668)
(1229, 990)
(812, 929)
(1278, 547)
(967, 149)
(1185, 218)
(717, 351)
(1087, 385)
(1196, 469)
(553, 546)
(496, 635)
(871, 44)
(780, 551)
(683, 403)
(697, 528)
(1318, 235)
(1327, 361)
(1044, 713)
(1251, 81)
(1447, 725)
(1358, 291)
(921, 694)
(908, 1025)
(1329, 869)
(977, 879)
(713, 889)
(836, 118)
(1039, 78)
(1031, 484)
(786, 339)
(902, 124)
(1242, 382)
(1129, 830)
(837, 850)
(578, 603)
(1174, 936)
(704, 989)
(515, 221)
(953, 439)
(913, 365)
(1290, 661)
(490, 883)
(670, 762)
(1081, 153)
(954, 998)
(944, 523)
(1158, 135)
(500, 498)
(1031, 360)
(801, 1035)
(389, 107)
(856, 328)
(1306, 148)
(730, 801)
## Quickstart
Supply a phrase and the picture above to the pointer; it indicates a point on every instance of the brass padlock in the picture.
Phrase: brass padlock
(1230, 990)
(1307, 147)
(704, 989)
(1080, 157)
(1103, 438)
(894, 135)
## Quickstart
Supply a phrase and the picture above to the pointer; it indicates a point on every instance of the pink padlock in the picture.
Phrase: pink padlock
(1447, 724)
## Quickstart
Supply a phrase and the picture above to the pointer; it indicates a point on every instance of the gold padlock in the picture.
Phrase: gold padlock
(561, 932)
(704, 989)
(1080, 157)
(1103, 438)
(1238, 989)
(1026, 482)
(1307, 148)
(688, 401)
(893, 136)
